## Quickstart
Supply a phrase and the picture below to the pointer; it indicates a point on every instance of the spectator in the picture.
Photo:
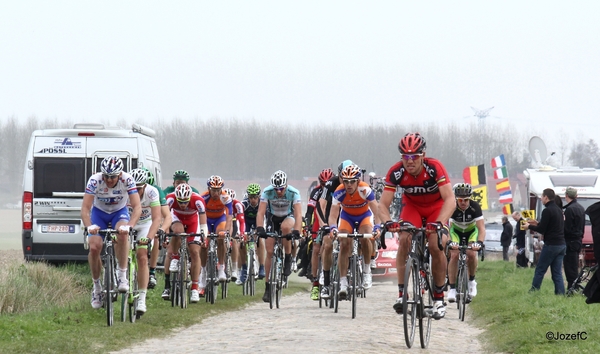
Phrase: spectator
(505, 237)
(551, 226)
(519, 237)
(559, 202)
(574, 227)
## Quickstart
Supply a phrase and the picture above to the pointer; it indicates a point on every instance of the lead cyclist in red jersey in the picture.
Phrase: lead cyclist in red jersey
(427, 195)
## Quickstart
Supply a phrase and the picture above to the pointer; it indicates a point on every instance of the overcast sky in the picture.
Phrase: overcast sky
(536, 62)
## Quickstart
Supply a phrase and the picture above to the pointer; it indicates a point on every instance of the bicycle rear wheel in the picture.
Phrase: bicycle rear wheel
(410, 300)
(133, 294)
(108, 289)
(353, 283)
(462, 292)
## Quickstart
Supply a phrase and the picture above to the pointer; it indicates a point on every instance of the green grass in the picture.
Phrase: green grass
(74, 327)
(517, 321)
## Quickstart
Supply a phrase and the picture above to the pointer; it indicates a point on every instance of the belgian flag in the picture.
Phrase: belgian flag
(474, 175)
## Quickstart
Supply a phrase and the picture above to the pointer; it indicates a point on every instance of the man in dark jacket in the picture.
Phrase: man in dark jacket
(551, 226)
(574, 227)
(593, 211)
(519, 237)
(506, 237)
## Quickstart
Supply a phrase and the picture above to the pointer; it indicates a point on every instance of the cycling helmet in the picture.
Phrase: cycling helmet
(279, 179)
(215, 182)
(150, 179)
(351, 172)
(253, 189)
(181, 175)
(325, 175)
(343, 164)
(412, 143)
(230, 192)
(462, 190)
(111, 166)
(139, 176)
(183, 192)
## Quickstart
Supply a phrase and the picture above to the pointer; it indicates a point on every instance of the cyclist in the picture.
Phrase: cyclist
(466, 221)
(238, 227)
(314, 215)
(146, 227)
(180, 177)
(164, 227)
(281, 205)
(189, 215)
(427, 195)
(357, 203)
(325, 201)
(219, 211)
(104, 202)
(251, 203)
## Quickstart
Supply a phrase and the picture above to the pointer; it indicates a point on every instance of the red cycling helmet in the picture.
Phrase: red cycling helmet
(325, 175)
(412, 143)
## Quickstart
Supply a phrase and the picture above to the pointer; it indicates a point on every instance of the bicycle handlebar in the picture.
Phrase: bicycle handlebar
(413, 230)
(354, 235)
(287, 237)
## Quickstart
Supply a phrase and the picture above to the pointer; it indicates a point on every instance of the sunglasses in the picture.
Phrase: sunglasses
(462, 200)
(349, 181)
(252, 196)
(279, 189)
(411, 157)
(183, 201)
(110, 177)
(217, 190)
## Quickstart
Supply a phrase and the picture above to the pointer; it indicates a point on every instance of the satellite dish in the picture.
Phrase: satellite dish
(538, 152)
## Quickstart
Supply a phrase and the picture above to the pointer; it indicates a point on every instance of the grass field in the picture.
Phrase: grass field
(10, 234)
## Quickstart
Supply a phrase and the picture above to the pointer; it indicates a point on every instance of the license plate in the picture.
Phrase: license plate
(58, 229)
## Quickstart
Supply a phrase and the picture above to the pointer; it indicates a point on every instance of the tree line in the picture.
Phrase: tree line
(238, 149)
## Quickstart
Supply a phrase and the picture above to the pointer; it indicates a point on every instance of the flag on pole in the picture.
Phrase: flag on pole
(501, 173)
(505, 197)
(507, 209)
(474, 175)
(503, 186)
(480, 196)
(498, 161)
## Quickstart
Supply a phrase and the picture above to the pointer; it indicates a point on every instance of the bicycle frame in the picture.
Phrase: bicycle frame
(130, 299)
(109, 261)
(180, 284)
(212, 281)
(249, 287)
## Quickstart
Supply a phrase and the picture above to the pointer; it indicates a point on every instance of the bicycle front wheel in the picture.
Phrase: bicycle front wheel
(426, 303)
(353, 282)
(462, 292)
(250, 279)
(410, 300)
(108, 289)
(183, 280)
(272, 280)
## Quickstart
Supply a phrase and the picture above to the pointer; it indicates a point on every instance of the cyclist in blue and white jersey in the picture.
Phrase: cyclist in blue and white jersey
(105, 201)
(147, 227)
(281, 205)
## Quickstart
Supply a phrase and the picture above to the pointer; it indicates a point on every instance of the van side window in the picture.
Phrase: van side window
(58, 175)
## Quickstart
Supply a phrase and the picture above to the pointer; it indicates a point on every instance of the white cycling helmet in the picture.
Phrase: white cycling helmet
(139, 176)
(279, 179)
(183, 192)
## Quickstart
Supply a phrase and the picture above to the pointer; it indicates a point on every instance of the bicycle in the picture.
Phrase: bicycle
(355, 272)
(249, 287)
(417, 298)
(276, 277)
(585, 275)
(180, 282)
(212, 279)
(130, 298)
(462, 284)
(228, 266)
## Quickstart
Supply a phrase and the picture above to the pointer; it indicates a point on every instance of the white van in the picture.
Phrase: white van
(59, 163)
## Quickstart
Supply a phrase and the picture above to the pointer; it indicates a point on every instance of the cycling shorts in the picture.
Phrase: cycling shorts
(456, 234)
(103, 219)
(216, 224)
(190, 225)
(348, 221)
(415, 214)
(275, 221)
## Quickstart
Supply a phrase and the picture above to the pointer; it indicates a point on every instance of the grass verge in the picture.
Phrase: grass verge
(74, 327)
(517, 321)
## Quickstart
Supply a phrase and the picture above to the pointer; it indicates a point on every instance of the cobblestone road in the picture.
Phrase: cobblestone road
(300, 326)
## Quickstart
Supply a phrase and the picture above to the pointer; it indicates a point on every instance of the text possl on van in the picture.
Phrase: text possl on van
(58, 165)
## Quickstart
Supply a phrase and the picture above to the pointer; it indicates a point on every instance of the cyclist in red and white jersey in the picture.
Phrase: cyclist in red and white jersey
(188, 212)
(238, 227)
(427, 195)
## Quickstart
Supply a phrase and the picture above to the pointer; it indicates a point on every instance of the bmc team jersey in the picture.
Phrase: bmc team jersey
(354, 204)
(110, 200)
(280, 207)
(149, 199)
(422, 190)
(464, 223)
